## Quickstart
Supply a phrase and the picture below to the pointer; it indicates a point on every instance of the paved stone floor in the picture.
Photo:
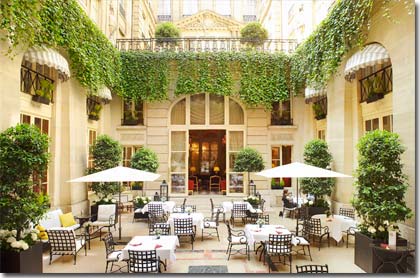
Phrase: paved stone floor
(208, 252)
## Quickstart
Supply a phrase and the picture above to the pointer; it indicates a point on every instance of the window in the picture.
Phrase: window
(223, 7)
(236, 143)
(382, 123)
(121, 7)
(164, 10)
(190, 7)
(92, 138)
(236, 114)
(281, 155)
(178, 113)
(281, 115)
(128, 152)
(321, 134)
(178, 161)
(198, 109)
(217, 109)
(250, 11)
(40, 184)
(375, 84)
(132, 112)
(35, 77)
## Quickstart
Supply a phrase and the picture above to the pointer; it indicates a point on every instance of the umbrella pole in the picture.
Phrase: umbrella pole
(297, 201)
(119, 212)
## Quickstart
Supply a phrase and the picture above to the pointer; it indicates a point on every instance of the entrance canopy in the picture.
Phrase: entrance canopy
(371, 55)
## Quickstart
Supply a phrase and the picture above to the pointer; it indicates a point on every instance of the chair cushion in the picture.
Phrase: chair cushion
(100, 223)
(299, 241)
(105, 212)
(114, 256)
(239, 239)
(67, 220)
(222, 210)
(51, 219)
(210, 224)
(79, 244)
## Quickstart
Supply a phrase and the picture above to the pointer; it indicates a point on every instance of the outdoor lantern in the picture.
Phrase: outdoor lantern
(252, 188)
(164, 191)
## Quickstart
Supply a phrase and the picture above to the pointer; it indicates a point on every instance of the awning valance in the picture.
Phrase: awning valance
(49, 57)
(104, 93)
(312, 94)
(371, 55)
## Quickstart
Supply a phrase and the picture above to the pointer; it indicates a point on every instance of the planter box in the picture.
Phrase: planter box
(316, 210)
(130, 122)
(40, 99)
(27, 261)
(93, 117)
(363, 253)
(374, 97)
(139, 215)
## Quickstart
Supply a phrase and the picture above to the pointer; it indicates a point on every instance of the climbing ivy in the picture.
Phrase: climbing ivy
(55, 23)
(262, 76)
(319, 56)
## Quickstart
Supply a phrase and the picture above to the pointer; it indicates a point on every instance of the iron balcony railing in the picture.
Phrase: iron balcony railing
(30, 80)
(376, 85)
(249, 18)
(164, 17)
(206, 44)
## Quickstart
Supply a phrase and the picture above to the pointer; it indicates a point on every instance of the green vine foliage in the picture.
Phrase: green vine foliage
(55, 23)
(318, 57)
(262, 76)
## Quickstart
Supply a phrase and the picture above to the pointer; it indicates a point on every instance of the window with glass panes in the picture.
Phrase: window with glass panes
(132, 112)
(92, 139)
(178, 161)
(380, 122)
(281, 155)
(128, 152)
(40, 182)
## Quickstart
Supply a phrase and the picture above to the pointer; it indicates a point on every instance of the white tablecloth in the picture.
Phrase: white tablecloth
(198, 218)
(167, 206)
(337, 224)
(255, 234)
(167, 251)
(228, 206)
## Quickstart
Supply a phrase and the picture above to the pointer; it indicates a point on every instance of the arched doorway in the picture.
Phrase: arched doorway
(206, 133)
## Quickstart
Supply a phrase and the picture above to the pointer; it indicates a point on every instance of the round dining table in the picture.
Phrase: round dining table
(336, 224)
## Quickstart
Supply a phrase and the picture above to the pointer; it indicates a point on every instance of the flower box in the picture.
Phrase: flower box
(93, 117)
(41, 99)
(26, 261)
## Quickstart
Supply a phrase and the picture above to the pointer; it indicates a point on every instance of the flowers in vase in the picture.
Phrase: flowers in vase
(260, 222)
(253, 200)
(188, 210)
(141, 201)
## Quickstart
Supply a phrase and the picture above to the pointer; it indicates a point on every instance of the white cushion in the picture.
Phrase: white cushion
(138, 210)
(114, 256)
(105, 212)
(299, 241)
(79, 243)
(258, 210)
(100, 223)
(238, 239)
(209, 224)
(222, 210)
(51, 219)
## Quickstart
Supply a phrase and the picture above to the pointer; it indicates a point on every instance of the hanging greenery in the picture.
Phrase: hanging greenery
(319, 56)
(55, 23)
(262, 76)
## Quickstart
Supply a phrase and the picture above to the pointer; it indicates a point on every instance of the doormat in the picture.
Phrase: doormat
(207, 269)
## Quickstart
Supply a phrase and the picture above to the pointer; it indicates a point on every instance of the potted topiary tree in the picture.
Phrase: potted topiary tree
(107, 153)
(145, 159)
(166, 32)
(253, 34)
(316, 153)
(23, 152)
(248, 160)
(380, 189)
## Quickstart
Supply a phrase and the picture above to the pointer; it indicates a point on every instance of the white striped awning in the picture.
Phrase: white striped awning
(371, 55)
(49, 57)
(311, 93)
(104, 93)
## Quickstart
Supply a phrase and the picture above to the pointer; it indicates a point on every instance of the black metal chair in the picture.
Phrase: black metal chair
(180, 208)
(145, 261)
(301, 239)
(64, 242)
(347, 212)
(278, 246)
(112, 255)
(252, 217)
(239, 210)
(350, 232)
(235, 238)
(211, 223)
(156, 213)
(316, 231)
(312, 268)
(288, 207)
(215, 209)
(183, 227)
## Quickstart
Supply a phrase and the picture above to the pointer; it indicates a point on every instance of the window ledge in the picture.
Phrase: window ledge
(131, 127)
(282, 127)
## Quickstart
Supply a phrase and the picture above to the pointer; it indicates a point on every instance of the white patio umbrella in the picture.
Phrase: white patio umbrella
(118, 174)
(300, 170)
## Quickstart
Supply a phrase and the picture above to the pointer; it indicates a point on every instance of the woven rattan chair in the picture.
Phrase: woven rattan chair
(347, 212)
(143, 261)
(239, 210)
(112, 255)
(318, 232)
(312, 268)
(235, 238)
(211, 224)
(278, 246)
(183, 227)
(64, 242)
